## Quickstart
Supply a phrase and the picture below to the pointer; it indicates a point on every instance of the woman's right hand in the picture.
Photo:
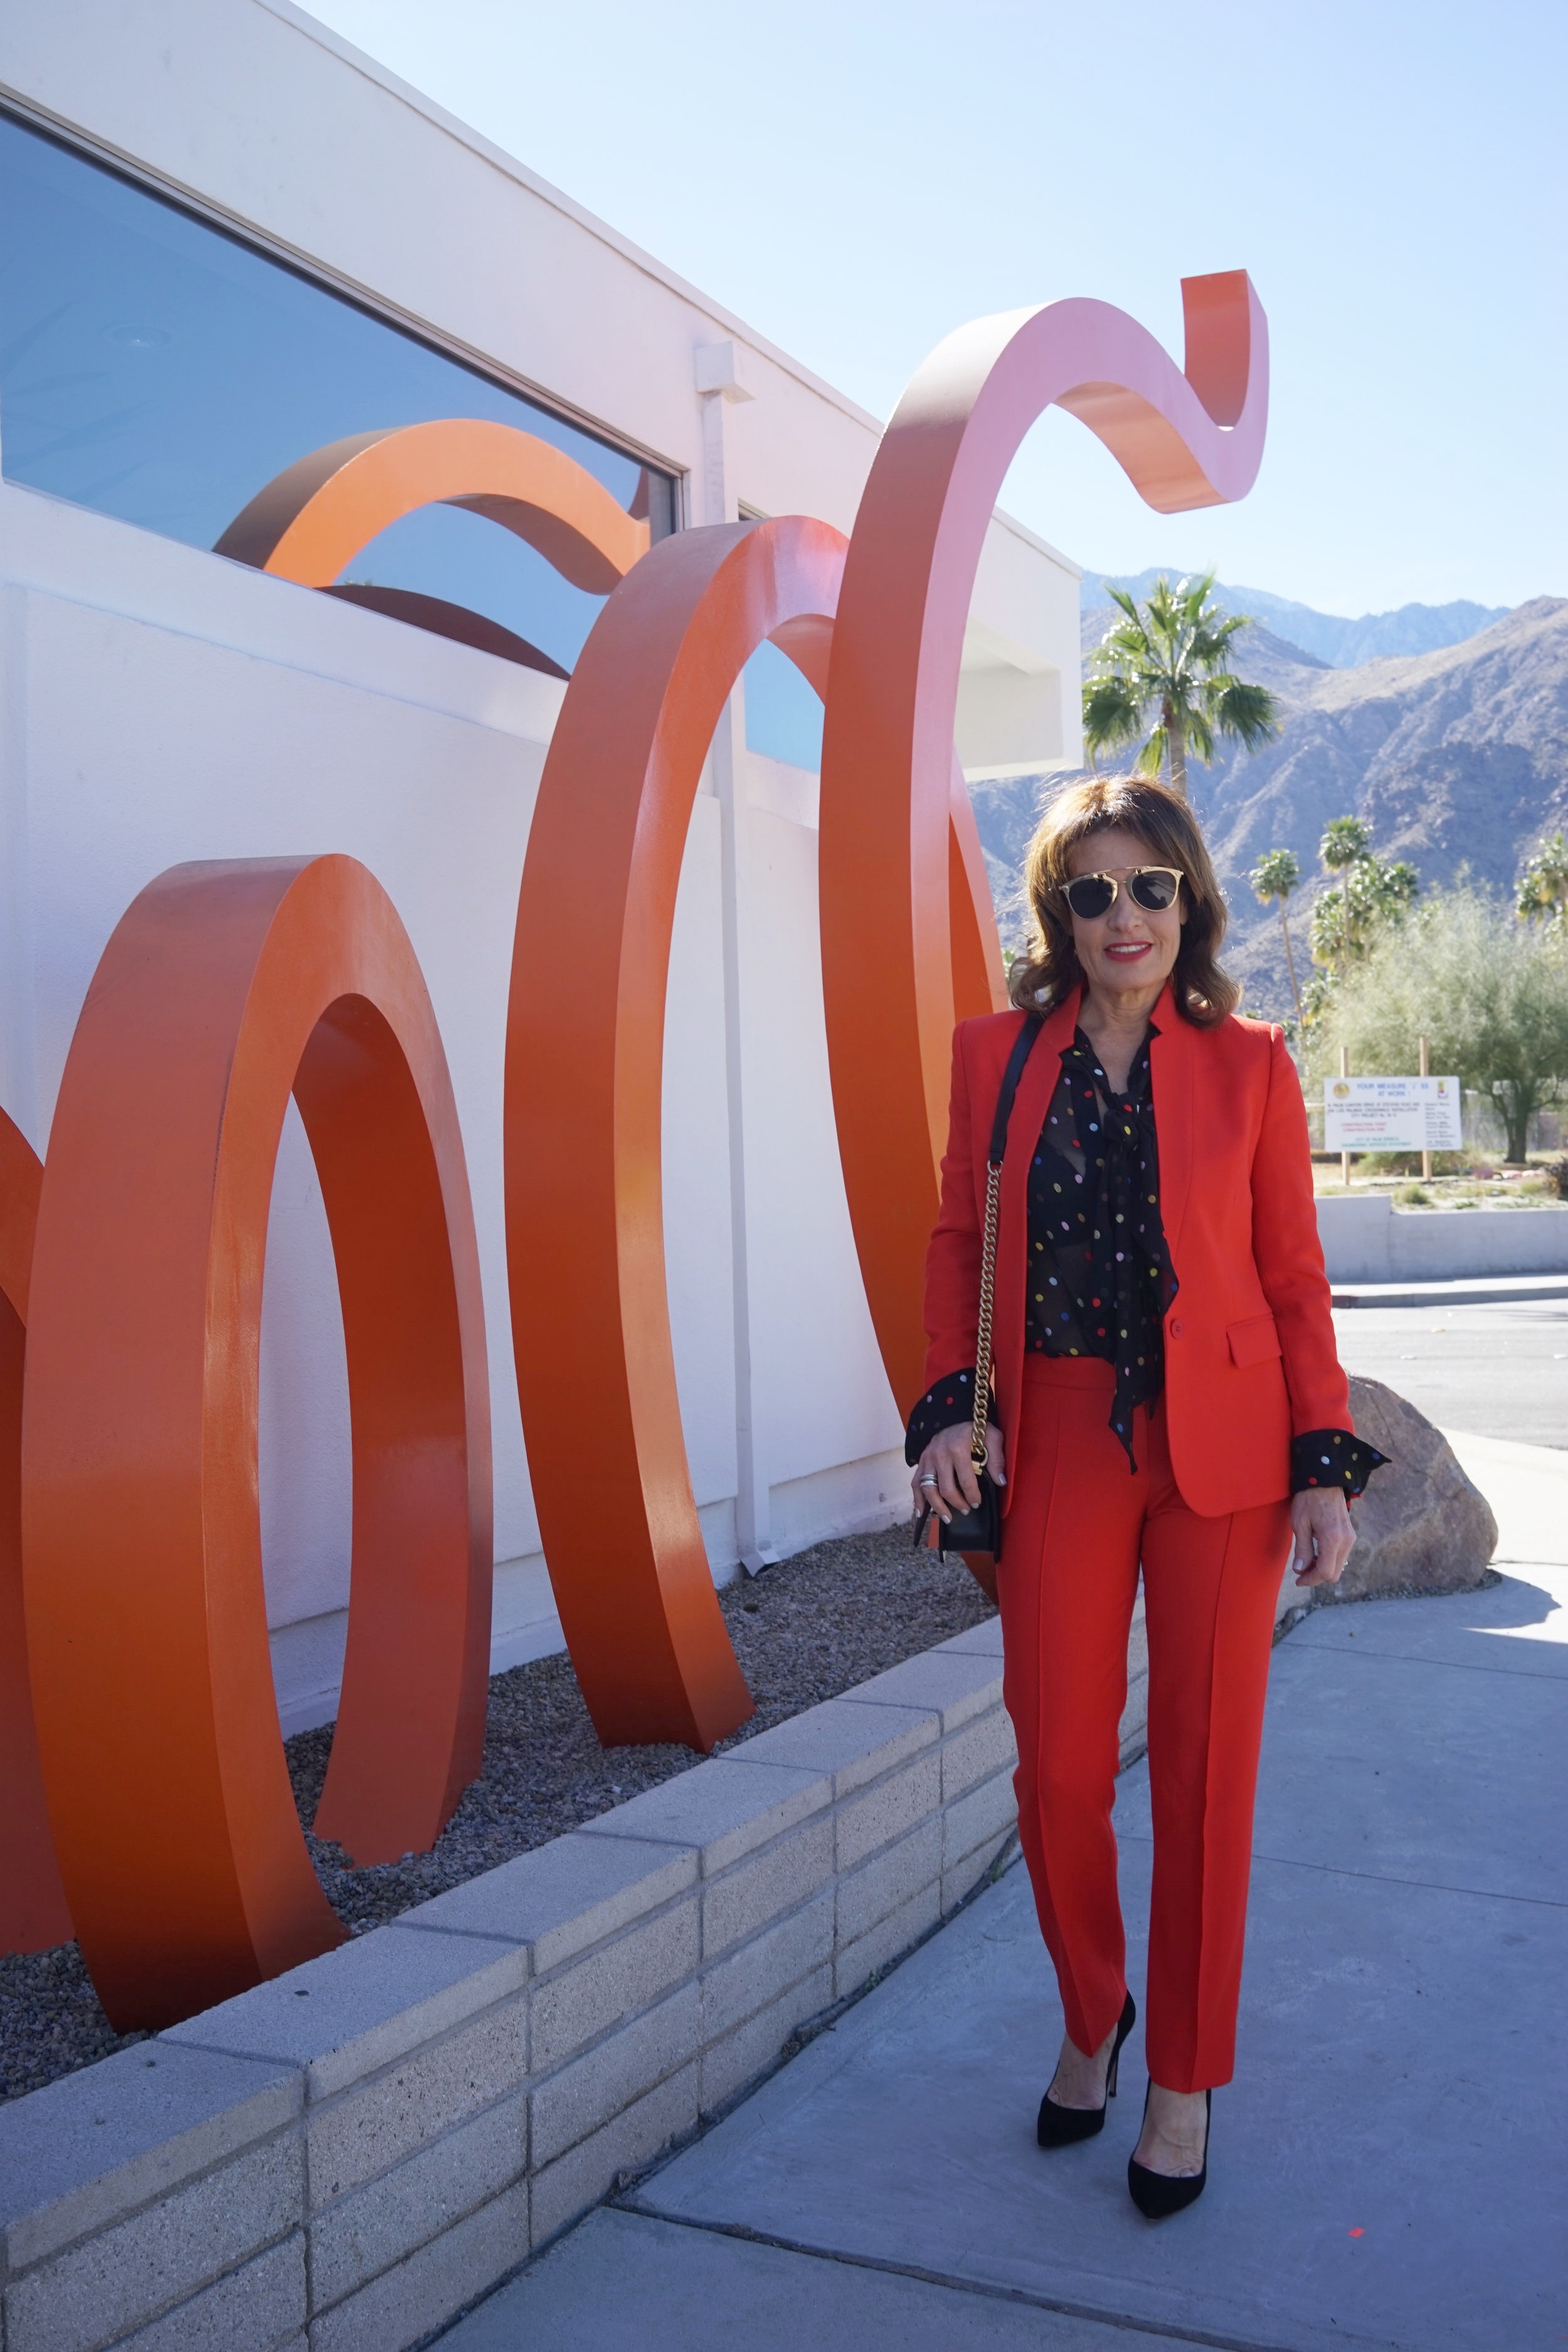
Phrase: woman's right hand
(947, 1460)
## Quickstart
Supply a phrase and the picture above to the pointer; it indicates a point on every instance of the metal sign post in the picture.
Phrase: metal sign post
(1426, 1072)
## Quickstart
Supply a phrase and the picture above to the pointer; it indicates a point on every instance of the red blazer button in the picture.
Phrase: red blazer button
(1177, 1329)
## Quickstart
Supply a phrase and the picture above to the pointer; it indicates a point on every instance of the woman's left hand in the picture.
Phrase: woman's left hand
(1320, 1513)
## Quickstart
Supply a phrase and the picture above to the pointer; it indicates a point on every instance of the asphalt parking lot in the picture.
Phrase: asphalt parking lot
(1496, 1370)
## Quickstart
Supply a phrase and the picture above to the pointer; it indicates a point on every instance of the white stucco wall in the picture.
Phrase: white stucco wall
(159, 704)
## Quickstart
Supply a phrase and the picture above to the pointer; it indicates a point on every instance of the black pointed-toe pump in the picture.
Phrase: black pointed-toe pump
(1157, 2194)
(1060, 2127)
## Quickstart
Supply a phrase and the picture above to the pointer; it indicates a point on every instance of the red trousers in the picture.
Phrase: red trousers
(1078, 1525)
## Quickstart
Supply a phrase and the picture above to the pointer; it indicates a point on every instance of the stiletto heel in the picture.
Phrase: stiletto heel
(1157, 2194)
(1061, 2127)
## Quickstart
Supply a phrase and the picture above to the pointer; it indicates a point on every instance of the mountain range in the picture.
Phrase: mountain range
(1413, 629)
(1456, 758)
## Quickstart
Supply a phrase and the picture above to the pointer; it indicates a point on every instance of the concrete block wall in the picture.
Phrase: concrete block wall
(1366, 1239)
(345, 2157)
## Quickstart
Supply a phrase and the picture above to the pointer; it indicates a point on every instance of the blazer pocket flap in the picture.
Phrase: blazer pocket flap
(1254, 1342)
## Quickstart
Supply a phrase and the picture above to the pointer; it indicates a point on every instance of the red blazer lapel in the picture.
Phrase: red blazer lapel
(1171, 1063)
(1036, 1088)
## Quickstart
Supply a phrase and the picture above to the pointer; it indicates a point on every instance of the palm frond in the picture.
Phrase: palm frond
(1112, 714)
(1199, 733)
(1543, 885)
(1152, 758)
(1247, 712)
(1194, 595)
(1346, 840)
(1126, 644)
(1276, 875)
(1211, 640)
(1397, 885)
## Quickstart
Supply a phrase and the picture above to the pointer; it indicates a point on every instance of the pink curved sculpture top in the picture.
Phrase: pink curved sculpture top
(1184, 439)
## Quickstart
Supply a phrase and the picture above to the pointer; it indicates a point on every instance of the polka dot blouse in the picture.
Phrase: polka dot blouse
(1098, 1279)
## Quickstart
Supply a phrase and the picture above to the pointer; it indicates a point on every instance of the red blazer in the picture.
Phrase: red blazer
(1251, 1360)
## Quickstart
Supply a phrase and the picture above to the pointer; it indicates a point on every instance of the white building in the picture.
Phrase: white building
(226, 239)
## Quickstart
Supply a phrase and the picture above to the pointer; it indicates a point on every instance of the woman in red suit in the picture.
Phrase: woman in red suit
(1165, 1394)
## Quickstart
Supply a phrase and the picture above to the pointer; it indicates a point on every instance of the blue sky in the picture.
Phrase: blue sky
(856, 177)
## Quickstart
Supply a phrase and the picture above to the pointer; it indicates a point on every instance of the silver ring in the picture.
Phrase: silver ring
(929, 1480)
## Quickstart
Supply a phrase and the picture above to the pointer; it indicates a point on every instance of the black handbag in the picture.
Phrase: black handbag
(977, 1533)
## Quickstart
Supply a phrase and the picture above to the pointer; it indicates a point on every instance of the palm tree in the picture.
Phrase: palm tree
(1346, 842)
(1394, 886)
(1168, 661)
(1543, 885)
(1273, 879)
(1344, 929)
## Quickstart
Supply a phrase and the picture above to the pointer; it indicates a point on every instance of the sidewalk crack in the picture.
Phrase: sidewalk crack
(1380, 1877)
(1457, 1665)
(1032, 2298)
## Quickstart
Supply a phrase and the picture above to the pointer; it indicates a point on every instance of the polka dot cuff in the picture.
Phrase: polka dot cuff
(1332, 1457)
(947, 1401)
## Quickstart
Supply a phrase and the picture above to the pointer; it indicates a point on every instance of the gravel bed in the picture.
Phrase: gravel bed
(804, 1631)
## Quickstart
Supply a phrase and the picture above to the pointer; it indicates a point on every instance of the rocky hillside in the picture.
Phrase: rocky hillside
(1332, 636)
(1455, 759)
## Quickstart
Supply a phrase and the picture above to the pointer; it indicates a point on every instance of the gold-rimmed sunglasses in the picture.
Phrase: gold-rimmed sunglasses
(1152, 887)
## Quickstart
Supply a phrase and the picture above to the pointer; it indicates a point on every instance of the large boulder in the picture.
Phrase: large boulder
(1421, 1526)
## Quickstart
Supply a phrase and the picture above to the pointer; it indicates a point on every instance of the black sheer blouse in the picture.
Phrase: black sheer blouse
(1100, 1280)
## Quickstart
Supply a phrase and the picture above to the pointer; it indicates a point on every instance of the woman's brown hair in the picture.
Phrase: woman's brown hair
(1049, 969)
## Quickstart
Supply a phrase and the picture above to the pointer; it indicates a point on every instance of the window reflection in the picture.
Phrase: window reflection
(158, 370)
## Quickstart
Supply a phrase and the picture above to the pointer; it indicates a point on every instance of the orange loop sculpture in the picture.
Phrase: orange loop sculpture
(979, 981)
(584, 1065)
(34, 1914)
(224, 988)
(316, 516)
(1185, 440)
(584, 1059)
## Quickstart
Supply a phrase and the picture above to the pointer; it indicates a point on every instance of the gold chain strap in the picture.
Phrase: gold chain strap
(977, 1445)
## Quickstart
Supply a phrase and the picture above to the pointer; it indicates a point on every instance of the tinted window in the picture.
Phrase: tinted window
(158, 370)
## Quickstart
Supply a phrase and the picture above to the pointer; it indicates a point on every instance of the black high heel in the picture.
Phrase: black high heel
(1157, 2194)
(1060, 2127)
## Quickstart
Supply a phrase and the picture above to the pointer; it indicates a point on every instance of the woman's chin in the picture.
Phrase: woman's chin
(1116, 973)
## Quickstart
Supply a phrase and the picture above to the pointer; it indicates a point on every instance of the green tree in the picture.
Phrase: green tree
(1543, 885)
(1491, 996)
(1273, 879)
(1167, 662)
(1346, 842)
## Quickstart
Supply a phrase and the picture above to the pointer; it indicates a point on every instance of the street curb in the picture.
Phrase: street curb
(1479, 1291)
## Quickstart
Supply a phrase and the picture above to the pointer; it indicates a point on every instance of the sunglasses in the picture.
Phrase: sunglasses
(1152, 887)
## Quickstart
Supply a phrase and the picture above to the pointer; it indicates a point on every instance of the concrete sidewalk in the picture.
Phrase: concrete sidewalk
(1388, 2166)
